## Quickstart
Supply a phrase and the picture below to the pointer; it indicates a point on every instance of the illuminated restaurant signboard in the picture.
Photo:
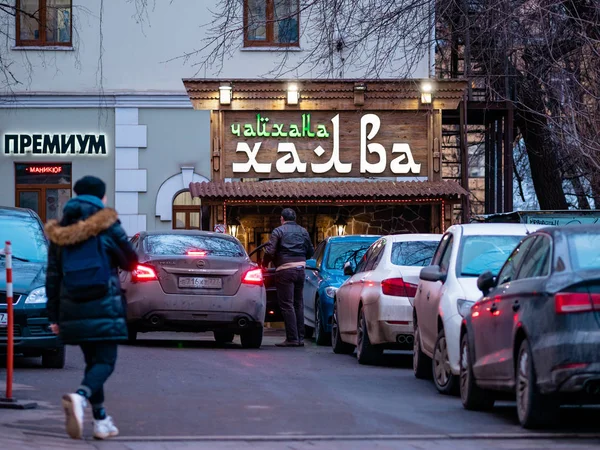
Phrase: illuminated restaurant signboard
(55, 144)
(282, 144)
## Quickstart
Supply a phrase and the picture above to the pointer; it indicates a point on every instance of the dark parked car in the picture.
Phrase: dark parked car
(30, 253)
(536, 331)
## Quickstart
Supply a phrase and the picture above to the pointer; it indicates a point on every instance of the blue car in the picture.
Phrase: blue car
(324, 275)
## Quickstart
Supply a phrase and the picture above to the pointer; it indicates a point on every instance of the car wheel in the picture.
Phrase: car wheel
(444, 381)
(131, 335)
(472, 396)
(54, 359)
(308, 332)
(421, 362)
(533, 408)
(321, 336)
(366, 353)
(340, 347)
(223, 337)
(252, 338)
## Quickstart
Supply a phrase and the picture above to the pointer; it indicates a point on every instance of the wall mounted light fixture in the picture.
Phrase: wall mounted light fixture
(225, 93)
(426, 93)
(234, 226)
(293, 95)
(359, 94)
(340, 226)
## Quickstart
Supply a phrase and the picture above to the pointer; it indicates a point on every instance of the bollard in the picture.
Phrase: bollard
(8, 401)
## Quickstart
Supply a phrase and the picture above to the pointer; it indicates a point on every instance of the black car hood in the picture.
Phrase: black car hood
(26, 275)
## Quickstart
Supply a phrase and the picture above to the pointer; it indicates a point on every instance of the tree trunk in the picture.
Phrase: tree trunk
(532, 122)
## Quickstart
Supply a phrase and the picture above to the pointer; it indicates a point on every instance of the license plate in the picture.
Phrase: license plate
(3, 319)
(200, 283)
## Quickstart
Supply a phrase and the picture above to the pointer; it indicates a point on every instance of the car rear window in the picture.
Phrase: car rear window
(26, 236)
(482, 253)
(583, 248)
(413, 253)
(182, 244)
(342, 252)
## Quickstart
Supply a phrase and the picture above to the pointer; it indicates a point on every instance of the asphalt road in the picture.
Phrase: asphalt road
(184, 386)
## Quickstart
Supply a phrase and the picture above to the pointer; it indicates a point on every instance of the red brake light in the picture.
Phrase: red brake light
(574, 302)
(143, 273)
(196, 253)
(253, 276)
(398, 287)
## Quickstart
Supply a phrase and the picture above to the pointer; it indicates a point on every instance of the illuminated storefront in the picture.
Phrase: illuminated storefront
(43, 152)
(351, 157)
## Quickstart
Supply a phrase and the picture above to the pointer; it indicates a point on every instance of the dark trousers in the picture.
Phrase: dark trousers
(100, 360)
(290, 284)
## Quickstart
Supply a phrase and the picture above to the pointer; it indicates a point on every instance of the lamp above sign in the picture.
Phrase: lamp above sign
(280, 144)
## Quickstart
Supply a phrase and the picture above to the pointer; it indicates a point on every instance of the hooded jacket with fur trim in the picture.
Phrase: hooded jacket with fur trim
(102, 319)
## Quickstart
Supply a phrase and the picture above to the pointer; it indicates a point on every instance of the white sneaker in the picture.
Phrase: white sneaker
(105, 428)
(74, 406)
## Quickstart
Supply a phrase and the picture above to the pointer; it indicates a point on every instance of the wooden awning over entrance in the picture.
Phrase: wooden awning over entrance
(328, 192)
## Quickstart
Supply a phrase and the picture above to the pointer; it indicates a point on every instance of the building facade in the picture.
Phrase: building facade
(96, 88)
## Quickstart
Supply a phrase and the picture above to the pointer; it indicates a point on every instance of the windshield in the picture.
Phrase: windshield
(583, 248)
(181, 244)
(482, 253)
(26, 236)
(413, 253)
(342, 252)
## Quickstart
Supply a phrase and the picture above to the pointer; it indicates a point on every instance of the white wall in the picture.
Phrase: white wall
(135, 55)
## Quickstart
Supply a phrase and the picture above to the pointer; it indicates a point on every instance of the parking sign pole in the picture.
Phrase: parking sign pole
(9, 402)
(10, 326)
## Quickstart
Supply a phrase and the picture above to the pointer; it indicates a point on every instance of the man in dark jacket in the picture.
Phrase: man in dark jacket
(95, 318)
(289, 247)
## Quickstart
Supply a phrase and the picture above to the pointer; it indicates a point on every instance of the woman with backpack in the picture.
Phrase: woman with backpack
(85, 303)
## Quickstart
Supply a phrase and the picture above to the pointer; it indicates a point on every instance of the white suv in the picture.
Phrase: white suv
(447, 290)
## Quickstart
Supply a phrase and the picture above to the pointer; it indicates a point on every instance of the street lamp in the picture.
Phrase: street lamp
(234, 226)
(293, 96)
(340, 226)
(426, 96)
(225, 91)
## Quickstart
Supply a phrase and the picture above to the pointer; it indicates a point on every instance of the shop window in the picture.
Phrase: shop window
(44, 23)
(271, 23)
(44, 188)
(186, 212)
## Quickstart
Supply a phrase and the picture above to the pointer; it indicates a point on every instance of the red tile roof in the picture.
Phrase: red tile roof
(326, 190)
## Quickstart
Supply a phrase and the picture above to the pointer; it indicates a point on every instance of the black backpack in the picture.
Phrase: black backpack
(86, 270)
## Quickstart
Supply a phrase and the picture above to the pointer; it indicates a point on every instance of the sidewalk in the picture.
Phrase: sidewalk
(11, 439)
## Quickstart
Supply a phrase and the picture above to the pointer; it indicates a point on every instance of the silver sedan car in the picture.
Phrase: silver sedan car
(195, 281)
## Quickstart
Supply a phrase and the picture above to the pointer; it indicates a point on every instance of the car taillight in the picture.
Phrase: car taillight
(143, 273)
(253, 276)
(196, 253)
(398, 287)
(576, 302)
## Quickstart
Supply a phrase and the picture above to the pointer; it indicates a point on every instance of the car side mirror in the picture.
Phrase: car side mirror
(486, 282)
(311, 264)
(432, 273)
(348, 270)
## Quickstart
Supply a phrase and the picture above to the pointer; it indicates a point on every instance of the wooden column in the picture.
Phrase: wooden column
(499, 160)
(437, 145)
(464, 162)
(508, 159)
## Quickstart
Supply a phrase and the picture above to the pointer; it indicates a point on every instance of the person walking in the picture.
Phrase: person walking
(86, 306)
(289, 247)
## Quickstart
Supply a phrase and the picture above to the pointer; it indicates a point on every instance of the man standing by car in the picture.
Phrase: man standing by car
(85, 303)
(289, 247)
